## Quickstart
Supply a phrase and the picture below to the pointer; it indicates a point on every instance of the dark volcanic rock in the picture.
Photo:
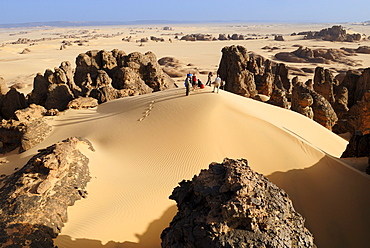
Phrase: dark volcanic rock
(229, 205)
(35, 198)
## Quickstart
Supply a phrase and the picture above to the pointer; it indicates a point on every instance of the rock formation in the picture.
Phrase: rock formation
(35, 198)
(302, 100)
(12, 101)
(359, 115)
(335, 33)
(229, 205)
(233, 70)
(323, 83)
(358, 146)
(323, 56)
(83, 103)
(278, 98)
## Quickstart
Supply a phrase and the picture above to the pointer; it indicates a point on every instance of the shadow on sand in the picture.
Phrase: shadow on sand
(333, 198)
(150, 239)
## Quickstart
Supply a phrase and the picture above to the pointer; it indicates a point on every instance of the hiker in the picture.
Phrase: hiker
(194, 81)
(200, 84)
(216, 84)
(209, 80)
(187, 85)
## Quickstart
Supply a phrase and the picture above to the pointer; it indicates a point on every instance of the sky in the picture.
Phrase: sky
(22, 11)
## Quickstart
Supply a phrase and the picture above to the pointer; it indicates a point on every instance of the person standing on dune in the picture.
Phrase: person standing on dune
(187, 85)
(216, 84)
(209, 80)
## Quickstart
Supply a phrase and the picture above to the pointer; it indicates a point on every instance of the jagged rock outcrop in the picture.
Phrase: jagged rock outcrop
(305, 99)
(230, 205)
(323, 112)
(35, 198)
(265, 83)
(12, 101)
(363, 84)
(323, 83)
(278, 98)
(359, 115)
(58, 97)
(127, 78)
(233, 70)
(358, 146)
(350, 82)
(283, 72)
(302, 100)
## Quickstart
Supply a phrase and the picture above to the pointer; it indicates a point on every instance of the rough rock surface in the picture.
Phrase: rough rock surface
(304, 98)
(34, 132)
(358, 146)
(359, 115)
(233, 70)
(11, 132)
(229, 205)
(32, 112)
(278, 98)
(35, 198)
(83, 103)
(12, 101)
(323, 83)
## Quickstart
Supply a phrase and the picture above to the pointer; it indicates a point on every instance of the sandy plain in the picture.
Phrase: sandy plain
(137, 164)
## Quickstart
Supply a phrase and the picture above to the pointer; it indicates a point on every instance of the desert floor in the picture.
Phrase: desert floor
(137, 164)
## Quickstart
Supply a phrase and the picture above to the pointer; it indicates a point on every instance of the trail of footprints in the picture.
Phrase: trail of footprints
(147, 112)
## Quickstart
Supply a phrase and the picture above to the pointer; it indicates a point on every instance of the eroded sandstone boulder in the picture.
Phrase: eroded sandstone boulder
(35, 198)
(12, 101)
(230, 205)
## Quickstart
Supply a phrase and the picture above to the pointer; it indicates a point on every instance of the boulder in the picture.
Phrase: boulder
(105, 94)
(34, 132)
(12, 101)
(279, 38)
(83, 103)
(32, 112)
(323, 112)
(40, 194)
(230, 205)
(11, 132)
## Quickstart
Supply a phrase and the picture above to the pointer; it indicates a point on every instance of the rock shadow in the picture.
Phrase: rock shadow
(149, 239)
(333, 198)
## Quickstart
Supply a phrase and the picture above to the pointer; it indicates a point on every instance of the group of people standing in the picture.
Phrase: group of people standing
(191, 81)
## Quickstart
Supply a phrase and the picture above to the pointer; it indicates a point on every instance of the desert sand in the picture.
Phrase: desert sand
(138, 161)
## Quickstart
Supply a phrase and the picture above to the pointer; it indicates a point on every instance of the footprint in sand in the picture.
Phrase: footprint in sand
(147, 112)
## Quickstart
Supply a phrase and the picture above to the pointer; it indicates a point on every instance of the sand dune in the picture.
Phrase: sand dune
(138, 161)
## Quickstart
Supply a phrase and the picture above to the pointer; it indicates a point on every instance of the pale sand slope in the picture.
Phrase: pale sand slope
(137, 164)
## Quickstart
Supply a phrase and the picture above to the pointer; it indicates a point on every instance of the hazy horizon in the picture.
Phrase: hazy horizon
(324, 11)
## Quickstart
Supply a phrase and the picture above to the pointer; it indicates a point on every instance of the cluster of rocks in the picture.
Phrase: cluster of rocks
(335, 33)
(323, 56)
(338, 104)
(209, 37)
(34, 199)
(99, 76)
(230, 205)
(175, 68)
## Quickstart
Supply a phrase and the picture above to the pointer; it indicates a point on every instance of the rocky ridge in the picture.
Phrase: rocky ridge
(34, 200)
(230, 205)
